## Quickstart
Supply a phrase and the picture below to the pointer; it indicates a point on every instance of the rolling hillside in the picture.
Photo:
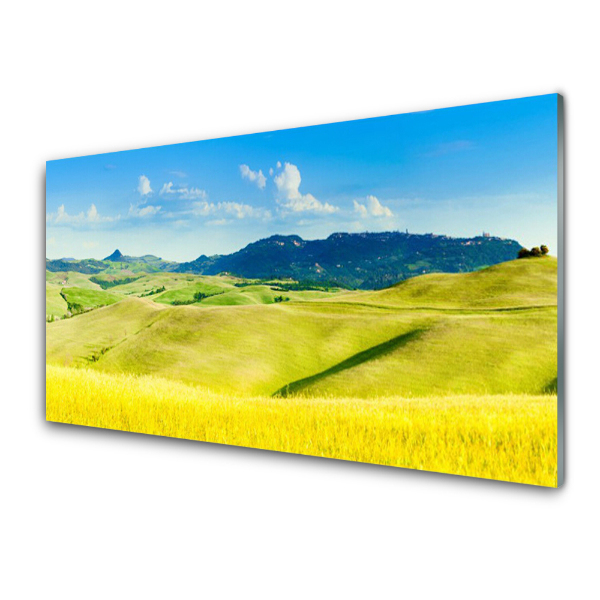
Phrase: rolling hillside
(489, 332)
(166, 288)
(82, 299)
(56, 305)
(517, 283)
(70, 278)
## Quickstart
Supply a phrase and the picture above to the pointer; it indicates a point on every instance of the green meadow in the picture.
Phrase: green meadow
(56, 306)
(488, 332)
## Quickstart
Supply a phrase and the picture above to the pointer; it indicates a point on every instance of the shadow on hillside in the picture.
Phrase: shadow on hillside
(349, 363)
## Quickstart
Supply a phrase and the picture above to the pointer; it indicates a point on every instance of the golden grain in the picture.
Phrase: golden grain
(506, 437)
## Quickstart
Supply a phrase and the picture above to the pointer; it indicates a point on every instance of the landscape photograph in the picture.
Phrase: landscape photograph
(381, 290)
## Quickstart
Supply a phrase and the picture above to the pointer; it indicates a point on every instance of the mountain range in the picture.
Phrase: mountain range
(353, 260)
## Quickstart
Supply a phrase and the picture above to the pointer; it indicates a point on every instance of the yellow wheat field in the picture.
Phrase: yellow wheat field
(512, 438)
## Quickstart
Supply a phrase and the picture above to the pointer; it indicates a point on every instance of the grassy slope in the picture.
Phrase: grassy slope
(77, 340)
(255, 349)
(178, 287)
(153, 281)
(222, 292)
(146, 282)
(206, 285)
(524, 282)
(491, 354)
(344, 348)
(55, 303)
(72, 278)
(262, 294)
(77, 287)
(89, 298)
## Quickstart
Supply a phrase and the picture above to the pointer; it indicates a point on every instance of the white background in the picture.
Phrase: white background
(96, 514)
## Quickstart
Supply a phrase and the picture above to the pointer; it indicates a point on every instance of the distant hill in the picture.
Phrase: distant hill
(116, 261)
(116, 256)
(87, 265)
(352, 260)
(357, 260)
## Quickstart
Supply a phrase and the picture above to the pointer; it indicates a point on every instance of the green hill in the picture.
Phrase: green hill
(493, 331)
(208, 286)
(82, 299)
(167, 288)
(524, 282)
(71, 278)
(56, 305)
(492, 354)
(80, 339)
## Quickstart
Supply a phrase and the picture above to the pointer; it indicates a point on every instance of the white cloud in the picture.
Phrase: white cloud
(235, 209)
(192, 193)
(167, 188)
(254, 176)
(271, 171)
(203, 209)
(288, 181)
(146, 211)
(372, 208)
(308, 202)
(279, 164)
(144, 186)
(361, 209)
(184, 193)
(241, 211)
(92, 214)
(62, 217)
(288, 185)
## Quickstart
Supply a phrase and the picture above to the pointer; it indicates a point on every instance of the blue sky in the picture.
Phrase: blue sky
(457, 171)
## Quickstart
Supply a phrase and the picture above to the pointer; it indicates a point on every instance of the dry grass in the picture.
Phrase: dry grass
(506, 437)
